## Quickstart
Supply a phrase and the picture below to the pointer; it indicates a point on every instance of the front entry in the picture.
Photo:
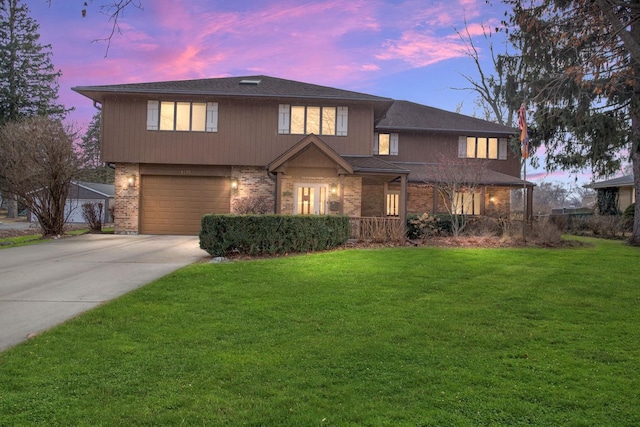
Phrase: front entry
(311, 199)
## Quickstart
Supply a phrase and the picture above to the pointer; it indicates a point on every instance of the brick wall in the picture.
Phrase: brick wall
(252, 182)
(352, 193)
(127, 200)
(497, 201)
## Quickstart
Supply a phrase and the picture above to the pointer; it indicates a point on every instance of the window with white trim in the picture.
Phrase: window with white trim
(182, 116)
(465, 203)
(472, 147)
(308, 119)
(392, 205)
(385, 144)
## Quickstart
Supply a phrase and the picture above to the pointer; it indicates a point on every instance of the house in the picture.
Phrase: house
(621, 190)
(87, 192)
(182, 149)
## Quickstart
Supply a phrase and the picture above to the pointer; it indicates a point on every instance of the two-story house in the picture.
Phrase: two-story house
(182, 149)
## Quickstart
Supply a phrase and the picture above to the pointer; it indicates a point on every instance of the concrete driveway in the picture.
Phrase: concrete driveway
(45, 284)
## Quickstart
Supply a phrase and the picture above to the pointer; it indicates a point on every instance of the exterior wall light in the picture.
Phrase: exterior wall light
(492, 199)
(333, 188)
(131, 181)
(234, 184)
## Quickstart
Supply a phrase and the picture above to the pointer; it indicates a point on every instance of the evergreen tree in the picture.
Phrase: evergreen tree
(92, 168)
(28, 79)
(581, 81)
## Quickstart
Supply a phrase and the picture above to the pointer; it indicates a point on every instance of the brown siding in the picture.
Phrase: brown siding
(429, 147)
(247, 135)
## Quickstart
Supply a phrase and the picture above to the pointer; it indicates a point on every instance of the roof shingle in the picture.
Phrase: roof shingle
(409, 116)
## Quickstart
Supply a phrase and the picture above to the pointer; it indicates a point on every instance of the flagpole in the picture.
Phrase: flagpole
(524, 142)
(524, 203)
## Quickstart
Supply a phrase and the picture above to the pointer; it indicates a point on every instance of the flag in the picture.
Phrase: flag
(524, 134)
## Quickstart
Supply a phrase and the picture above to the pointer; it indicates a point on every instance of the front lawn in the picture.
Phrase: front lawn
(397, 336)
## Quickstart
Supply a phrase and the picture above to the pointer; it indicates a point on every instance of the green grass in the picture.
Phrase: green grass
(412, 336)
(12, 242)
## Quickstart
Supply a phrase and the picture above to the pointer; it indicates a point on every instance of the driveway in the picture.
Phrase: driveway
(45, 284)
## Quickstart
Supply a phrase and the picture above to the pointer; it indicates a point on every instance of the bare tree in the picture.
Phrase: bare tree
(114, 10)
(458, 181)
(39, 163)
(492, 85)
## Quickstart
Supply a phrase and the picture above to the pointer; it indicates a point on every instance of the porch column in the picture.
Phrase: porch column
(403, 200)
(341, 190)
(278, 193)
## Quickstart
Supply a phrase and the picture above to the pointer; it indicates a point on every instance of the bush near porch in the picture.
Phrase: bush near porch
(222, 235)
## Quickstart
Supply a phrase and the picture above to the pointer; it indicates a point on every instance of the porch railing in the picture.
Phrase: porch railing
(377, 229)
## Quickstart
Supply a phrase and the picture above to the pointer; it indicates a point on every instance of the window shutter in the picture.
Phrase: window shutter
(502, 149)
(153, 115)
(462, 147)
(212, 117)
(342, 121)
(376, 145)
(393, 144)
(284, 119)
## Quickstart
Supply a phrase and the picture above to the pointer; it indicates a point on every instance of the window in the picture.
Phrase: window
(311, 199)
(385, 144)
(305, 119)
(393, 201)
(472, 147)
(182, 116)
(465, 203)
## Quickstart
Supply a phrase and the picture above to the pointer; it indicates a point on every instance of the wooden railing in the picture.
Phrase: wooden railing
(377, 229)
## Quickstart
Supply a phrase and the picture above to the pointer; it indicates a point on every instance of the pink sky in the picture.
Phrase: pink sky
(403, 49)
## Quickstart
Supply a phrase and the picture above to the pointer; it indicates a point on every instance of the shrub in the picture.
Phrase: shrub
(606, 225)
(253, 205)
(92, 214)
(271, 234)
(427, 225)
(546, 233)
(484, 226)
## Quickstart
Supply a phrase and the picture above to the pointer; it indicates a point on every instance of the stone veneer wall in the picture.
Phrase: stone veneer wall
(127, 199)
(352, 193)
(252, 182)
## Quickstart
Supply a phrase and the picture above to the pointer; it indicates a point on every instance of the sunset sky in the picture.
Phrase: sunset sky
(402, 49)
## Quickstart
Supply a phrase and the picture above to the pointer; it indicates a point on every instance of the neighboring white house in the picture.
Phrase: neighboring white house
(87, 192)
(625, 189)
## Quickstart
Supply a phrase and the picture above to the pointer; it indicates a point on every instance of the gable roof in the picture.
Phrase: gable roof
(106, 190)
(306, 142)
(623, 181)
(409, 116)
(248, 86)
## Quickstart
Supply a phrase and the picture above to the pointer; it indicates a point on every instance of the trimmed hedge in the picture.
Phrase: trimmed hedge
(221, 235)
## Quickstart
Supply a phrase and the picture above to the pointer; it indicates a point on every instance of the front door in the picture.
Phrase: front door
(311, 199)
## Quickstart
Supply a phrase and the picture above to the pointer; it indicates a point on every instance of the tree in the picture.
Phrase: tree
(492, 87)
(581, 82)
(458, 181)
(92, 168)
(28, 79)
(39, 164)
(114, 10)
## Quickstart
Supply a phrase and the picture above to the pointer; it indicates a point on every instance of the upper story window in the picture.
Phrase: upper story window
(472, 147)
(385, 144)
(306, 119)
(182, 116)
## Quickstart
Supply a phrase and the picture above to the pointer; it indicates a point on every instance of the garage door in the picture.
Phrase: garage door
(176, 204)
